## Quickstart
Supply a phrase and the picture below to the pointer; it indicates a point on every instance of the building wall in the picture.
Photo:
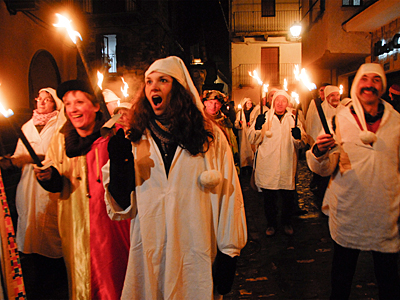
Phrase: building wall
(249, 52)
(391, 60)
(324, 41)
(21, 38)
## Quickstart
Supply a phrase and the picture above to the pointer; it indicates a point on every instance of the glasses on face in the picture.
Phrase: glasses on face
(45, 100)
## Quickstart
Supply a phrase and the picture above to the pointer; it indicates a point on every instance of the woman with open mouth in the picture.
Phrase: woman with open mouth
(175, 179)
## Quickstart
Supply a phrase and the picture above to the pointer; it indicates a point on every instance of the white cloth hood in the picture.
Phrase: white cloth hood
(175, 67)
(366, 136)
(53, 93)
(329, 89)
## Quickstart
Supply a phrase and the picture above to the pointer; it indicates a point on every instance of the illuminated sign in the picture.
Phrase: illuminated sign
(382, 47)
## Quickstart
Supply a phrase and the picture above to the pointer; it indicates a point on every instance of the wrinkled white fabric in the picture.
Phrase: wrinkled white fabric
(245, 150)
(37, 230)
(363, 197)
(177, 224)
(313, 122)
(256, 111)
(277, 154)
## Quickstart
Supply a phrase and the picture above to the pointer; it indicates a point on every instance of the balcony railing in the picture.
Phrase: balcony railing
(251, 21)
(272, 74)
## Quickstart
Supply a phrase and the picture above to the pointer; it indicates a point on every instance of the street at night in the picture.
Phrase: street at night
(124, 125)
(278, 267)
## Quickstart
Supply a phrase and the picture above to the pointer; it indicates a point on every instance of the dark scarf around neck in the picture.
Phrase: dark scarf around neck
(76, 145)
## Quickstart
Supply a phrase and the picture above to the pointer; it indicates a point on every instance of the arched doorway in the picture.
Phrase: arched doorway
(43, 72)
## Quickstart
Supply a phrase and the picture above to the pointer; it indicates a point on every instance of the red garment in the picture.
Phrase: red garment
(109, 240)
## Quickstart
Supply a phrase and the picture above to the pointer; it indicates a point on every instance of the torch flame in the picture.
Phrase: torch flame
(125, 89)
(239, 106)
(285, 84)
(100, 77)
(265, 87)
(4, 112)
(341, 89)
(295, 96)
(64, 22)
(255, 76)
(303, 77)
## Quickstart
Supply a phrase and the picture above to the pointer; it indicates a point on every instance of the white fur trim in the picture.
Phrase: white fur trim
(368, 137)
(210, 179)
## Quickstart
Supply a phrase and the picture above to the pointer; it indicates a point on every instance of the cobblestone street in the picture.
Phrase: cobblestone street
(292, 267)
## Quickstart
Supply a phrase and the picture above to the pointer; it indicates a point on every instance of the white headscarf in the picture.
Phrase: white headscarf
(175, 67)
(329, 89)
(366, 136)
(59, 105)
(53, 93)
(110, 96)
(271, 112)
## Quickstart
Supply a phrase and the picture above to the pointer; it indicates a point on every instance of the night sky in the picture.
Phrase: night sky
(204, 20)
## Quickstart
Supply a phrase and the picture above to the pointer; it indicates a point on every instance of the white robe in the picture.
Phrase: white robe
(245, 150)
(313, 123)
(256, 111)
(363, 196)
(276, 163)
(37, 230)
(177, 224)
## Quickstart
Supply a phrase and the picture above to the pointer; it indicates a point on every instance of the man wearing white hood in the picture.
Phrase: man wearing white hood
(363, 197)
(276, 159)
(330, 107)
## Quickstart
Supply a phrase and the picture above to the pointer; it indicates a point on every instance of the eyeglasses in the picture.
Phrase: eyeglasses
(45, 100)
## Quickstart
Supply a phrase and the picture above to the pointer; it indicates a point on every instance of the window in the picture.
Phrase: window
(109, 52)
(14, 6)
(268, 8)
(351, 2)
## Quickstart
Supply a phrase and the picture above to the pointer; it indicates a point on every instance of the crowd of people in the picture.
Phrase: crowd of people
(152, 207)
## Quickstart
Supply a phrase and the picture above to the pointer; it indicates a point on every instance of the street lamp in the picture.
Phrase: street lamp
(295, 29)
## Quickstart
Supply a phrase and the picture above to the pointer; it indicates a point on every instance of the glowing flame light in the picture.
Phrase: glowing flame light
(255, 76)
(285, 84)
(295, 96)
(341, 89)
(125, 89)
(265, 87)
(239, 106)
(100, 78)
(6, 113)
(303, 77)
(64, 22)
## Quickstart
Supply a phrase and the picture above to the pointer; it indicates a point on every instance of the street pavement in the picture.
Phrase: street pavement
(292, 267)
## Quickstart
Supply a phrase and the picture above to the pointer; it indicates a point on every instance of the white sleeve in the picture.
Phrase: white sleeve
(324, 165)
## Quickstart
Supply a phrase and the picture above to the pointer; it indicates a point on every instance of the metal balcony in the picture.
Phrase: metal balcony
(272, 74)
(252, 22)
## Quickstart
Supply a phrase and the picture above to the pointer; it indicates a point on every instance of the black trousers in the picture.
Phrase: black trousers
(344, 266)
(271, 198)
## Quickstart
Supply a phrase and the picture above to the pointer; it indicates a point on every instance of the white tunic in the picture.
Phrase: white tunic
(256, 111)
(37, 230)
(276, 163)
(177, 224)
(363, 197)
(313, 122)
(245, 150)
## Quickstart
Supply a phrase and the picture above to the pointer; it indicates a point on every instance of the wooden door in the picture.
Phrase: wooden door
(270, 65)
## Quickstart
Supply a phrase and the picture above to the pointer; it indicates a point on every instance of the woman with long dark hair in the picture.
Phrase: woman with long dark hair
(175, 178)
